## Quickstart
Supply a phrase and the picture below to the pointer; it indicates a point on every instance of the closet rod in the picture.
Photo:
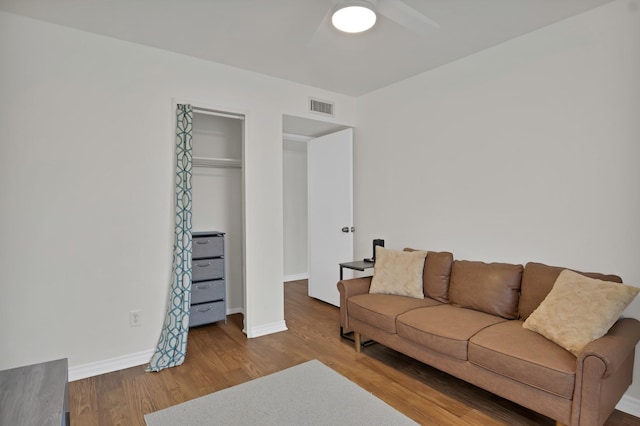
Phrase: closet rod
(217, 113)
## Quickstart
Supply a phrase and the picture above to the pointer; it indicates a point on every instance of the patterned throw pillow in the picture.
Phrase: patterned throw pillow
(398, 272)
(579, 310)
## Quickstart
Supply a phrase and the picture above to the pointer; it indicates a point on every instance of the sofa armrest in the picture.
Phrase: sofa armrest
(604, 372)
(614, 347)
(347, 289)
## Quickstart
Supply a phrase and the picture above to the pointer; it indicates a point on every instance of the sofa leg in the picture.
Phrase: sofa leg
(356, 340)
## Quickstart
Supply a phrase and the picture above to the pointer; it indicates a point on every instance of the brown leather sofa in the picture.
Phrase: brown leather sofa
(470, 325)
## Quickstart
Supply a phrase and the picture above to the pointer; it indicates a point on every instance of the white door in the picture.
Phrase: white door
(330, 212)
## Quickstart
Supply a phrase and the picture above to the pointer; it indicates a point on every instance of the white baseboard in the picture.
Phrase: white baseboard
(629, 405)
(108, 365)
(263, 330)
(296, 277)
(231, 311)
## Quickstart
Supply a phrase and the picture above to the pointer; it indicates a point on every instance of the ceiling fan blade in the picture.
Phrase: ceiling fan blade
(323, 29)
(406, 16)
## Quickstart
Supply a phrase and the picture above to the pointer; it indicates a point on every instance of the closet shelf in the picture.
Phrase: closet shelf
(227, 163)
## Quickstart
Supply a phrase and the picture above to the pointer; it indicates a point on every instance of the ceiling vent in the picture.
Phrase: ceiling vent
(321, 107)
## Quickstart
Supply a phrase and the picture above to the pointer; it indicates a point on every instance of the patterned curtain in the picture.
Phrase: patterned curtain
(172, 345)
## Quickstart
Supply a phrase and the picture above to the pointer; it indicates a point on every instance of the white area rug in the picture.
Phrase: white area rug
(307, 394)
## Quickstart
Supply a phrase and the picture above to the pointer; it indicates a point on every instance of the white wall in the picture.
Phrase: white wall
(217, 195)
(86, 188)
(527, 151)
(295, 208)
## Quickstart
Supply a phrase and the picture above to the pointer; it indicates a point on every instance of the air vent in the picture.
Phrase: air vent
(321, 107)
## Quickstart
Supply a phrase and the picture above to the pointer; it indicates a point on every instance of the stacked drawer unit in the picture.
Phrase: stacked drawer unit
(208, 288)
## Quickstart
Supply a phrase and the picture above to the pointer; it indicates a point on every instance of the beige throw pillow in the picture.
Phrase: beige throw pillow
(398, 272)
(579, 310)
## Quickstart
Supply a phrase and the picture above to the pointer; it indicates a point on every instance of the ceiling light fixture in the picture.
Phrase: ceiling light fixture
(354, 17)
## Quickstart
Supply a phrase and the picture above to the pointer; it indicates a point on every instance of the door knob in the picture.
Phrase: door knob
(353, 229)
(345, 229)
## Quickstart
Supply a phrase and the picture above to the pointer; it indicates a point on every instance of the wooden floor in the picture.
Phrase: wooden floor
(220, 356)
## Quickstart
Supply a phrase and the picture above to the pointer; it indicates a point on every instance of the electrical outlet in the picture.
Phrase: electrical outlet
(135, 318)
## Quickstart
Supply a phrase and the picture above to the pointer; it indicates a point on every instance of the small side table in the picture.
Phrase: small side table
(358, 265)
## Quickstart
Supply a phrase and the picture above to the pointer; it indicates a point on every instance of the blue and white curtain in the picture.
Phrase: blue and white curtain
(172, 345)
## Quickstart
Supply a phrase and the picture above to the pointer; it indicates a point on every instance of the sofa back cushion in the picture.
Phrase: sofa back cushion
(493, 288)
(436, 274)
(538, 280)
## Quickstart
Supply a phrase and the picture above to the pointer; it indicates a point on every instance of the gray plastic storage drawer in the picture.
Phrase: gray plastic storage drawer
(207, 269)
(212, 246)
(205, 313)
(207, 291)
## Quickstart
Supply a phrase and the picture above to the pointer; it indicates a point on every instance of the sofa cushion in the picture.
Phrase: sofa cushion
(381, 310)
(537, 281)
(579, 310)
(398, 272)
(493, 288)
(512, 351)
(445, 328)
(436, 275)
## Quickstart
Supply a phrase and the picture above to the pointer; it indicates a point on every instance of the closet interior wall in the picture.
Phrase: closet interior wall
(217, 192)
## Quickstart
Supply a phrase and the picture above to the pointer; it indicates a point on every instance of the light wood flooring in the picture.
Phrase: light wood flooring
(220, 356)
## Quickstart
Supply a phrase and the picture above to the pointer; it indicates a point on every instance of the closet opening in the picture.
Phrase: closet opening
(217, 199)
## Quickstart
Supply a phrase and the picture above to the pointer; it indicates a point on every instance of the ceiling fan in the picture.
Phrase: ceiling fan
(354, 16)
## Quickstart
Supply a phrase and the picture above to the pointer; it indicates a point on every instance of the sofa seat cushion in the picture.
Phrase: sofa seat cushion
(381, 310)
(445, 328)
(512, 351)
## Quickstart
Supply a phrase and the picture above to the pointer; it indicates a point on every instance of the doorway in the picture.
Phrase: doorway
(307, 250)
